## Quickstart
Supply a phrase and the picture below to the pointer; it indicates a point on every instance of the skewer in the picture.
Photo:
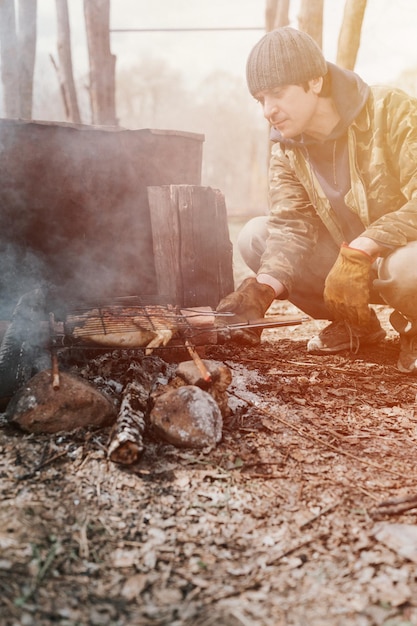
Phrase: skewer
(54, 357)
(198, 361)
(192, 323)
(55, 371)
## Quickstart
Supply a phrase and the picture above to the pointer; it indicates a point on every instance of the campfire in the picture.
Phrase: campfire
(133, 365)
(75, 355)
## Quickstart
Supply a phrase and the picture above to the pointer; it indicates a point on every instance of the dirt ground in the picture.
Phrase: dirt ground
(284, 523)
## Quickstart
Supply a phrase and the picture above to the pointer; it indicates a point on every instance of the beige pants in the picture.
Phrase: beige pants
(394, 278)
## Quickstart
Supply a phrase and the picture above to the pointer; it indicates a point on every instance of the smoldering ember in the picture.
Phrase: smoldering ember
(153, 472)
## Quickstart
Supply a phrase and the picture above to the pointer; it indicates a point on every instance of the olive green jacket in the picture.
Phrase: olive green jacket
(382, 145)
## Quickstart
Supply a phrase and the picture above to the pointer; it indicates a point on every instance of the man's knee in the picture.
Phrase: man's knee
(397, 279)
(251, 241)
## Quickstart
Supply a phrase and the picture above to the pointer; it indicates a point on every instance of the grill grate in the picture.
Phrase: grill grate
(136, 320)
(128, 324)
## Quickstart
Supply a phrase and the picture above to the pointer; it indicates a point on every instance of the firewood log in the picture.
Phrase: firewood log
(22, 343)
(126, 438)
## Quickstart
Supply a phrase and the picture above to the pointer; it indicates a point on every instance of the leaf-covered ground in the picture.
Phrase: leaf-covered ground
(282, 524)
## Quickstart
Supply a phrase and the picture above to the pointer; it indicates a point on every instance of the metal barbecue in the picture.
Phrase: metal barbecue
(139, 323)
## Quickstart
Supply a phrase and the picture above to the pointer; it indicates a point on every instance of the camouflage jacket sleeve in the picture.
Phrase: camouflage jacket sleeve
(389, 168)
(293, 221)
(382, 144)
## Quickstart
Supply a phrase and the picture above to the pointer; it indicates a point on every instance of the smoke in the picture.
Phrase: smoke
(21, 272)
(74, 209)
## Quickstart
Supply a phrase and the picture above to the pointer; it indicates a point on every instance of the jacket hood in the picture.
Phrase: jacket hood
(349, 93)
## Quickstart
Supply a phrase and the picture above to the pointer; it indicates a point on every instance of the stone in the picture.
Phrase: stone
(38, 407)
(187, 417)
(221, 376)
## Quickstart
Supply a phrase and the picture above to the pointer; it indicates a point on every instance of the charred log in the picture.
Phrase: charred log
(22, 345)
(126, 439)
(126, 442)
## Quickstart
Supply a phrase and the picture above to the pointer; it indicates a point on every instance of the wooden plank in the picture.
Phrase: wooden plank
(192, 249)
(166, 241)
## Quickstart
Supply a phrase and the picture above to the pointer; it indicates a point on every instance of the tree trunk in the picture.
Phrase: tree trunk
(310, 19)
(9, 56)
(350, 33)
(27, 54)
(65, 71)
(102, 62)
(276, 13)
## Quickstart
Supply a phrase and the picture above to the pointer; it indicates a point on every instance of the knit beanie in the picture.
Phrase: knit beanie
(284, 56)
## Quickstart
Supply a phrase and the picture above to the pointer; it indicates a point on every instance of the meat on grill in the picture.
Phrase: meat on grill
(124, 327)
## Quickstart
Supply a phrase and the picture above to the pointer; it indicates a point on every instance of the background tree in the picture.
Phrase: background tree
(9, 49)
(18, 49)
(350, 33)
(102, 62)
(310, 19)
(65, 71)
(27, 54)
(151, 94)
(277, 13)
(234, 155)
(142, 96)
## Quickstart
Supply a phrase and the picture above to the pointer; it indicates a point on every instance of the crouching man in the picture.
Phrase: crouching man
(342, 228)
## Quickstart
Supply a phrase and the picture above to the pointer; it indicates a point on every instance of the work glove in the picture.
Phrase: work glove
(347, 287)
(249, 302)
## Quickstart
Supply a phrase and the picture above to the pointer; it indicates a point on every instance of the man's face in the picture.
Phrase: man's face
(290, 109)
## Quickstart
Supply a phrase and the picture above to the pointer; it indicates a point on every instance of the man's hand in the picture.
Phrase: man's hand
(347, 286)
(249, 302)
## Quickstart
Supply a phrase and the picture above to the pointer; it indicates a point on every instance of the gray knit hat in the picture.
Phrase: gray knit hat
(284, 56)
